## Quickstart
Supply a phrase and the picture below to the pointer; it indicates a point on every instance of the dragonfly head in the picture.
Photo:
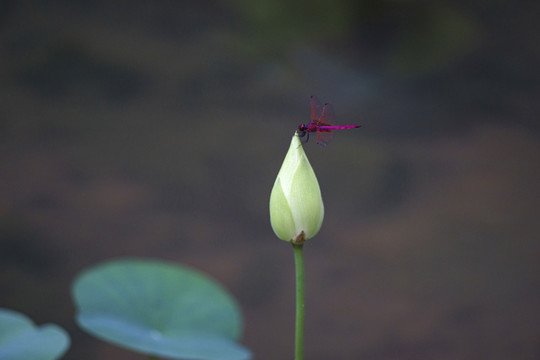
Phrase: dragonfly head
(301, 130)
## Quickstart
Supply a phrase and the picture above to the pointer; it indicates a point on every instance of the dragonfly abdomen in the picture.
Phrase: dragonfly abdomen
(338, 127)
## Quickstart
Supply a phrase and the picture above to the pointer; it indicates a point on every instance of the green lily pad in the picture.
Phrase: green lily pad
(159, 308)
(20, 339)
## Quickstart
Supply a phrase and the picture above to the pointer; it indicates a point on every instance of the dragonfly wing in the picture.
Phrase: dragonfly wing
(324, 137)
(327, 117)
(316, 109)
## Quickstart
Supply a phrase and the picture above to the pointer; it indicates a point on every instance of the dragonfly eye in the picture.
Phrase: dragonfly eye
(302, 127)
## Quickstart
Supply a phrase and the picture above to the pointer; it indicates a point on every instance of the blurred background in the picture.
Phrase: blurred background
(157, 128)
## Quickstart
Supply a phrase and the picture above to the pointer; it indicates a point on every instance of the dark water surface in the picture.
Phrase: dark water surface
(157, 128)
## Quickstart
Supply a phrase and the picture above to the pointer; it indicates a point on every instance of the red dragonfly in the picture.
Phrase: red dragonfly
(322, 122)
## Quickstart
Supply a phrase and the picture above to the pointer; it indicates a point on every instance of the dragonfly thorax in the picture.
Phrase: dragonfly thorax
(311, 127)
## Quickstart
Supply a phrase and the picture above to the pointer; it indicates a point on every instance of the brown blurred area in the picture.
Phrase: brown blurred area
(156, 129)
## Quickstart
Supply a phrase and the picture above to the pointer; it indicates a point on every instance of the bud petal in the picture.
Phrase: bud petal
(296, 202)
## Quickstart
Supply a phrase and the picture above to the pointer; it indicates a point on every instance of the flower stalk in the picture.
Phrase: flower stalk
(299, 323)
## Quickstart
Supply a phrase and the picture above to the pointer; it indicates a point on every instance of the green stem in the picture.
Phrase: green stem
(299, 330)
(152, 357)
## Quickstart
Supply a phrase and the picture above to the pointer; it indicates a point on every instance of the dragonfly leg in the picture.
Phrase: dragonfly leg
(306, 140)
(302, 134)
